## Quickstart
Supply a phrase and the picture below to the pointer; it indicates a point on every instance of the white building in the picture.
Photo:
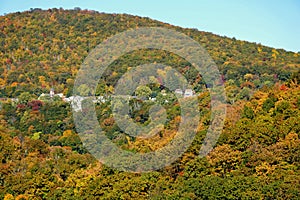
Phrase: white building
(185, 93)
(179, 91)
(188, 93)
(75, 102)
(52, 92)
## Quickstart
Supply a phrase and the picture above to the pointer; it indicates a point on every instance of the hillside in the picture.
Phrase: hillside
(257, 155)
(44, 49)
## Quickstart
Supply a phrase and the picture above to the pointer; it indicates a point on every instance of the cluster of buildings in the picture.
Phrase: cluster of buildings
(76, 100)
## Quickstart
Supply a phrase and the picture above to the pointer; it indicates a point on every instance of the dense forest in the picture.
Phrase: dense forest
(42, 157)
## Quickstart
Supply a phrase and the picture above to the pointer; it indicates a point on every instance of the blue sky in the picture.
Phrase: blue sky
(274, 23)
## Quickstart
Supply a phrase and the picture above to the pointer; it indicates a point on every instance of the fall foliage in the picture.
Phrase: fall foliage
(42, 157)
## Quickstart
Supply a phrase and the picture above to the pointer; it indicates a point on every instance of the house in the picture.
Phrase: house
(188, 93)
(185, 93)
(51, 92)
(179, 91)
(75, 102)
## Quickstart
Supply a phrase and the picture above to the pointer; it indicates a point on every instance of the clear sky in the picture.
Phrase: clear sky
(274, 23)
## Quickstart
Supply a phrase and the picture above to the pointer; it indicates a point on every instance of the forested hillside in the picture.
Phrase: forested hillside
(257, 155)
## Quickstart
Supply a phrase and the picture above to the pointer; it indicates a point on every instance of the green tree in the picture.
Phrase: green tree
(25, 97)
(143, 92)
